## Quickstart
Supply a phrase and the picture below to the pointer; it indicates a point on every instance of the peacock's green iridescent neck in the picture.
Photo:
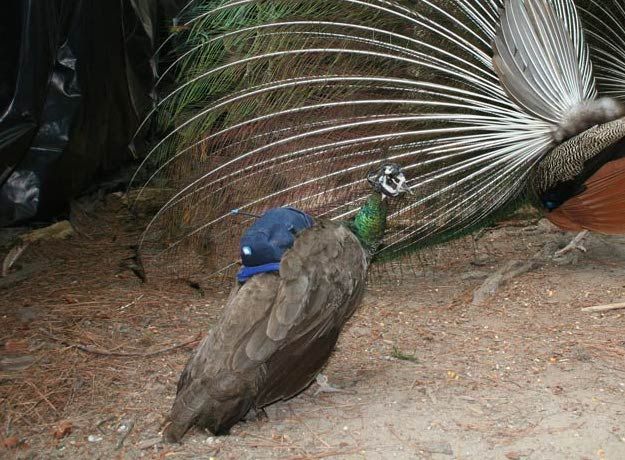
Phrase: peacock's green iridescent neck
(370, 222)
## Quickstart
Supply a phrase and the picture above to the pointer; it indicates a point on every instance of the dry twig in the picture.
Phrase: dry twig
(97, 351)
(604, 308)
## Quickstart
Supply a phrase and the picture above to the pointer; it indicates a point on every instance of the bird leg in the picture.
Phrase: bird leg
(574, 244)
(325, 387)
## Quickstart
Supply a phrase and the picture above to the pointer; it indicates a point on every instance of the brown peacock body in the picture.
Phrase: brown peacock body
(290, 102)
(278, 329)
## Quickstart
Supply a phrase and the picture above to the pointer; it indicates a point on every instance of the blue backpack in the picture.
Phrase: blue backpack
(265, 242)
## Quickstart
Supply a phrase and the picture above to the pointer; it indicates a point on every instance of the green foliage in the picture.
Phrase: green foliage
(398, 354)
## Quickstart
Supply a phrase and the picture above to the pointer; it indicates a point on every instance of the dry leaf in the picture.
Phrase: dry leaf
(557, 390)
(63, 429)
(16, 346)
(10, 443)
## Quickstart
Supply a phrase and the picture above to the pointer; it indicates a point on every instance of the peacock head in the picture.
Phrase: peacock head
(389, 180)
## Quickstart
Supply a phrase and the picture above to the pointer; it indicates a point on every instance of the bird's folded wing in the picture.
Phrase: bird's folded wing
(310, 314)
(223, 349)
(319, 277)
(216, 387)
(601, 208)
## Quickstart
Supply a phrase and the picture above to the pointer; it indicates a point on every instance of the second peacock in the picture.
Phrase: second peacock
(484, 103)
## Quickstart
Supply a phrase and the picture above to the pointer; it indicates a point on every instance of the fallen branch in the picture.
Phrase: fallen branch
(501, 277)
(59, 231)
(14, 254)
(332, 453)
(97, 351)
(573, 245)
(11, 279)
(604, 308)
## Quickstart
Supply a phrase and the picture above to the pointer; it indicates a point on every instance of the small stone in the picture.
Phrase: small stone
(124, 426)
(361, 331)
(94, 438)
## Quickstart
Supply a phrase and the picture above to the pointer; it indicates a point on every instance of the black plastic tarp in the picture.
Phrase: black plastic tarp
(75, 81)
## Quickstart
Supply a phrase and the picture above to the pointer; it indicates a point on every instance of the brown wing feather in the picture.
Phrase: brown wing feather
(335, 265)
(275, 334)
(216, 387)
(600, 207)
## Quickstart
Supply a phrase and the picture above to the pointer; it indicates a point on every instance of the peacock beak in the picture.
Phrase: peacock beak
(405, 188)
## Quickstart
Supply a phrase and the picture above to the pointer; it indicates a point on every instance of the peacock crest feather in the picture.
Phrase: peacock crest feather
(291, 102)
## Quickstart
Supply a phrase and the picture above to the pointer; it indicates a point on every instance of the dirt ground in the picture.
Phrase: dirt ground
(426, 373)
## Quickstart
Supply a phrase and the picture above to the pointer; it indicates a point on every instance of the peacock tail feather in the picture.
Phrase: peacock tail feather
(604, 22)
(292, 102)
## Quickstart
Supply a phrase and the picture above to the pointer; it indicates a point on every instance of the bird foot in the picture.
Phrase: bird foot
(256, 415)
(575, 244)
(325, 387)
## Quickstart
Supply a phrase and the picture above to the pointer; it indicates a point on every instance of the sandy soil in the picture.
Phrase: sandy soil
(425, 372)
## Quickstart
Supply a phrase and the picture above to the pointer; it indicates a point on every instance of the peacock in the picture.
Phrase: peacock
(279, 327)
(485, 104)
(579, 183)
